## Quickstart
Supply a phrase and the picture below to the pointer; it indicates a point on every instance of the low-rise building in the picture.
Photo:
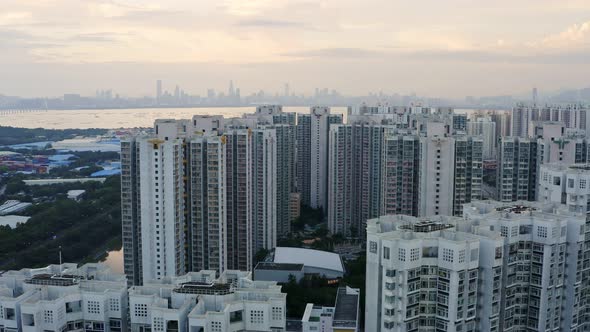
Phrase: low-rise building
(198, 301)
(63, 298)
(315, 262)
(279, 272)
(343, 317)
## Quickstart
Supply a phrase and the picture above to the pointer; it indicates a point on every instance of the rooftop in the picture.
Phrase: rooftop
(279, 266)
(346, 310)
(426, 226)
(308, 257)
(195, 287)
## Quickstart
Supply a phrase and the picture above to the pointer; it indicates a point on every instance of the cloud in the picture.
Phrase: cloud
(15, 17)
(545, 58)
(99, 37)
(577, 35)
(265, 23)
(337, 52)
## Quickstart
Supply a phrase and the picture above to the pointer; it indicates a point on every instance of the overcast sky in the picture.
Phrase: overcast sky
(446, 48)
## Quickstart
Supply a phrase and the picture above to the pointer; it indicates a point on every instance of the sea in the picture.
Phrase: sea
(121, 118)
(128, 118)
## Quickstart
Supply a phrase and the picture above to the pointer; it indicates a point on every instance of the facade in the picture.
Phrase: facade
(304, 157)
(161, 192)
(379, 169)
(238, 170)
(517, 169)
(486, 128)
(437, 165)
(501, 267)
(198, 301)
(522, 116)
(355, 175)
(63, 298)
(566, 184)
(207, 245)
(468, 174)
(203, 194)
(401, 163)
(321, 119)
(264, 220)
(542, 268)
(317, 318)
(424, 274)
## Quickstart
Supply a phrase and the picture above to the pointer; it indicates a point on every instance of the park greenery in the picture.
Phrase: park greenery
(319, 291)
(12, 135)
(84, 230)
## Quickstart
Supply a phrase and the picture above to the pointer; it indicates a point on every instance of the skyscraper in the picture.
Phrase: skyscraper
(486, 128)
(517, 169)
(205, 193)
(207, 246)
(377, 168)
(321, 119)
(238, 144)
(303, 171)
(158, 91)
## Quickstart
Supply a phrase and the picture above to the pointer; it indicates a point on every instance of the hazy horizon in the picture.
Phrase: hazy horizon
(432, 48)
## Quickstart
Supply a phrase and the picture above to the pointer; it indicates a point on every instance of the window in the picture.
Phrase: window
(542, 231)
(216, 327)
(373, 247)
(114, 305)
(140, 310)
(48, 317)
(93, 307)
(582, 184)
(462, 256)
(277, 313)
(401, 255)
(158, 324)
(256, 316)
(414, 254)
(447, 255)
(386, 252)
(504, 231)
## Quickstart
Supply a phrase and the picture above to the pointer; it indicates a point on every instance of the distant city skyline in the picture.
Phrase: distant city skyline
(448, 49)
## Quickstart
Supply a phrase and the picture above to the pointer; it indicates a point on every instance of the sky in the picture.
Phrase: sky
(437, 48)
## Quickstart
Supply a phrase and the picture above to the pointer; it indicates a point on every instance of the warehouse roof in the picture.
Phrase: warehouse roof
(309, 257)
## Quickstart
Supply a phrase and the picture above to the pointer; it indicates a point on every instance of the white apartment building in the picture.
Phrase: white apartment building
(437, 165)
(501, 267)
(264, 196)
(63, 298)
(161, 192)
(425, 274)
(205, 193)
(321, 119)
(198, 301)
(542, 268)
(567, 184)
